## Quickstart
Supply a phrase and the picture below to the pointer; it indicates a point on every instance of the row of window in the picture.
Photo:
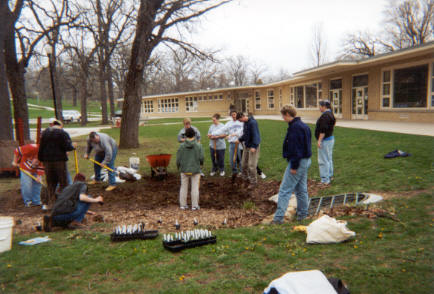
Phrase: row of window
(168, 105)
(306, 96)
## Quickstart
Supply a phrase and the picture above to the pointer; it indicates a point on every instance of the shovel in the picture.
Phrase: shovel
(78, 175)
(103, 166)
(234, 160)
(215, 151)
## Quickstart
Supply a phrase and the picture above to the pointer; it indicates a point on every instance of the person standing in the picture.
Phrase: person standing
(251, 140)
(234, 130)
(26, 158)
(53, 148)
(105, 153)
(187, 124)
(189, 160)
(324, 135)
(297, 151)
(217, 145)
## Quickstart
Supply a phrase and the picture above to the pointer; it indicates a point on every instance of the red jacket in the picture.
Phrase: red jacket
(25, 155)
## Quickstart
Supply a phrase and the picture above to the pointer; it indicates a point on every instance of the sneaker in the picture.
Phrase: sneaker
(183, 207)
(263, 176)
(47, 223)
(202, 174)
(93, 182)
(276, 222)
(44, 207)
(110, 188)
(212, 174)
(195, 208)
(222, 174)
(28, 203)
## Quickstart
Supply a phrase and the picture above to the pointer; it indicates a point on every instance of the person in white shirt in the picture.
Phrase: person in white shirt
(234, 130)
(217, 145)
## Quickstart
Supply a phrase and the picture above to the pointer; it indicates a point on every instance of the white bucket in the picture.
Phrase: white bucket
(6, 224)
(134, 163)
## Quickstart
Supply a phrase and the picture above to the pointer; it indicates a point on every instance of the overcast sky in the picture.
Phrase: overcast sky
(278, 33)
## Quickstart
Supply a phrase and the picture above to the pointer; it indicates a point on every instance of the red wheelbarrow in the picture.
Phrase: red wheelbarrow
(159, 164)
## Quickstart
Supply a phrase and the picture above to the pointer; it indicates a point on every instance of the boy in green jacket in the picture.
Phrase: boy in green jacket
(189, 160)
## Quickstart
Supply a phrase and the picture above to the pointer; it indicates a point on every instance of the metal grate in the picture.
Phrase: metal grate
(328, 202)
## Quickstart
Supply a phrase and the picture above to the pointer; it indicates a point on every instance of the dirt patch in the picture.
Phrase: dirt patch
(150, 201)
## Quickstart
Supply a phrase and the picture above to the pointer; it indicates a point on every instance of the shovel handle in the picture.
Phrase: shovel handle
(235, 153)
(101, 165)
(31, 176)
(76, 161)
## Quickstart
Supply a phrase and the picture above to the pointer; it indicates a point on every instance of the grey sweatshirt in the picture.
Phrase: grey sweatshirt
(181, 134)
(106, 144)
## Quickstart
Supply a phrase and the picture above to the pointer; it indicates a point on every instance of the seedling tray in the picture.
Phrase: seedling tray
(134, 236)
(178, 245)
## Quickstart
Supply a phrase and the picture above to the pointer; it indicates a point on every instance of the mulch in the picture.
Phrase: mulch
(156, 203)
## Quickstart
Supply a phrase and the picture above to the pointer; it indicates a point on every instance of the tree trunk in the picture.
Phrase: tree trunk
(56, 87)
(102, 93)
(74, 95)
(140, 53)
(83, 100)
(5, 103)
(110, 90)
(15, 73)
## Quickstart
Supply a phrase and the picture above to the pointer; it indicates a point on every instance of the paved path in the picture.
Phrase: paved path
(73, 132)
(424, 129)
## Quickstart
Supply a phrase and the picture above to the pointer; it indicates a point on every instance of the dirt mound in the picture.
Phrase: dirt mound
(150, 200)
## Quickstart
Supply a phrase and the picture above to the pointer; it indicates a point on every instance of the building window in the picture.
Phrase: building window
(336, 84)
(299, 96)
(257, 100)
(319, 91)
(191, 104)
(270, 94)
(291, 97)
(385, 89)
(148, 106)
(168, 105)
(410, 86)
(432, 84)
(220, 97)
(311, 96)
(280, 99)
(360, 81)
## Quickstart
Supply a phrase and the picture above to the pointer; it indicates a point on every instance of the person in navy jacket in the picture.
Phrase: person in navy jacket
(297, 151)
(251, 140)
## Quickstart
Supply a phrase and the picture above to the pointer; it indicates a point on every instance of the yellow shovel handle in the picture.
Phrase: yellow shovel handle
(100, 164)
(76, 161)
(31, 176)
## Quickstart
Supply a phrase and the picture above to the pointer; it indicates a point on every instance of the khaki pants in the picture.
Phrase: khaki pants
(249, 164)
(195, 180)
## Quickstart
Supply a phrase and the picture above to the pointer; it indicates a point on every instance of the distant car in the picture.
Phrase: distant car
(71, 115)
(118, 113)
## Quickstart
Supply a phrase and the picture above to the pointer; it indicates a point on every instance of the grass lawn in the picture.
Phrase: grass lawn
(245, 260)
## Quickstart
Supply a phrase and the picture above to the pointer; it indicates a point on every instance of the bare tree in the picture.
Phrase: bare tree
(238, 69)
(410, 22)
(7, 19)
(360, 44)
(257, 71)
(155, 19)
(319, 45)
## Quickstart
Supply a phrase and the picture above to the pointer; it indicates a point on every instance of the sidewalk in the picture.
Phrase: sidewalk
(423, 129)
(73, 132)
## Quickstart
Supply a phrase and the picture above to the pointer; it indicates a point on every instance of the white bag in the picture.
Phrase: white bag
(328, 230)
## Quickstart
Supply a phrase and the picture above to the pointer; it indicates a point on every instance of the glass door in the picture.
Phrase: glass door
(360, 103)
(336, 102)
(245, 105)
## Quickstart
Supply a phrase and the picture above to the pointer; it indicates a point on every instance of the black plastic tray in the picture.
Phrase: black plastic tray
(176, 246)
(136, 236)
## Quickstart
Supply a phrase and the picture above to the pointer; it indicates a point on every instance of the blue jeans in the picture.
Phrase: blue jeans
(294, 183)
(325, 160)
(100, 157)
(30, 189)
(236, 166)
(218, 161)
(77, 215)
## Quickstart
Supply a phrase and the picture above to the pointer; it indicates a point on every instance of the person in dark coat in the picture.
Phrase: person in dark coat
(53, 148)
(324, 135)
(297, 151)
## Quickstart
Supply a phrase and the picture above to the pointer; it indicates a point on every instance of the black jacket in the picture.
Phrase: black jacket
(68, 199)
(325, 124)
(297, 144)
(55, 142)
(251, 136)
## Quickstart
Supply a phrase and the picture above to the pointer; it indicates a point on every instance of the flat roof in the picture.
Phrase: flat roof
(336, 65)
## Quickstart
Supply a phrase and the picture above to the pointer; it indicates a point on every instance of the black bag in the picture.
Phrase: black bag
(338, 285)
(68, 199)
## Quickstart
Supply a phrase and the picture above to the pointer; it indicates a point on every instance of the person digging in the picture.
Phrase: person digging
(71, 206)
(105, 153)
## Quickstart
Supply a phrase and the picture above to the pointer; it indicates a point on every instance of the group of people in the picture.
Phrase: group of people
(244, 138)
(67, 201)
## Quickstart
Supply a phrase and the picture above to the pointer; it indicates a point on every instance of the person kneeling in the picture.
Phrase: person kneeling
(70, 207)
(189, 160)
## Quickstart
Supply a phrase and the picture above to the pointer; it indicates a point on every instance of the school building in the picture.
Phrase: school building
(396, 86)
